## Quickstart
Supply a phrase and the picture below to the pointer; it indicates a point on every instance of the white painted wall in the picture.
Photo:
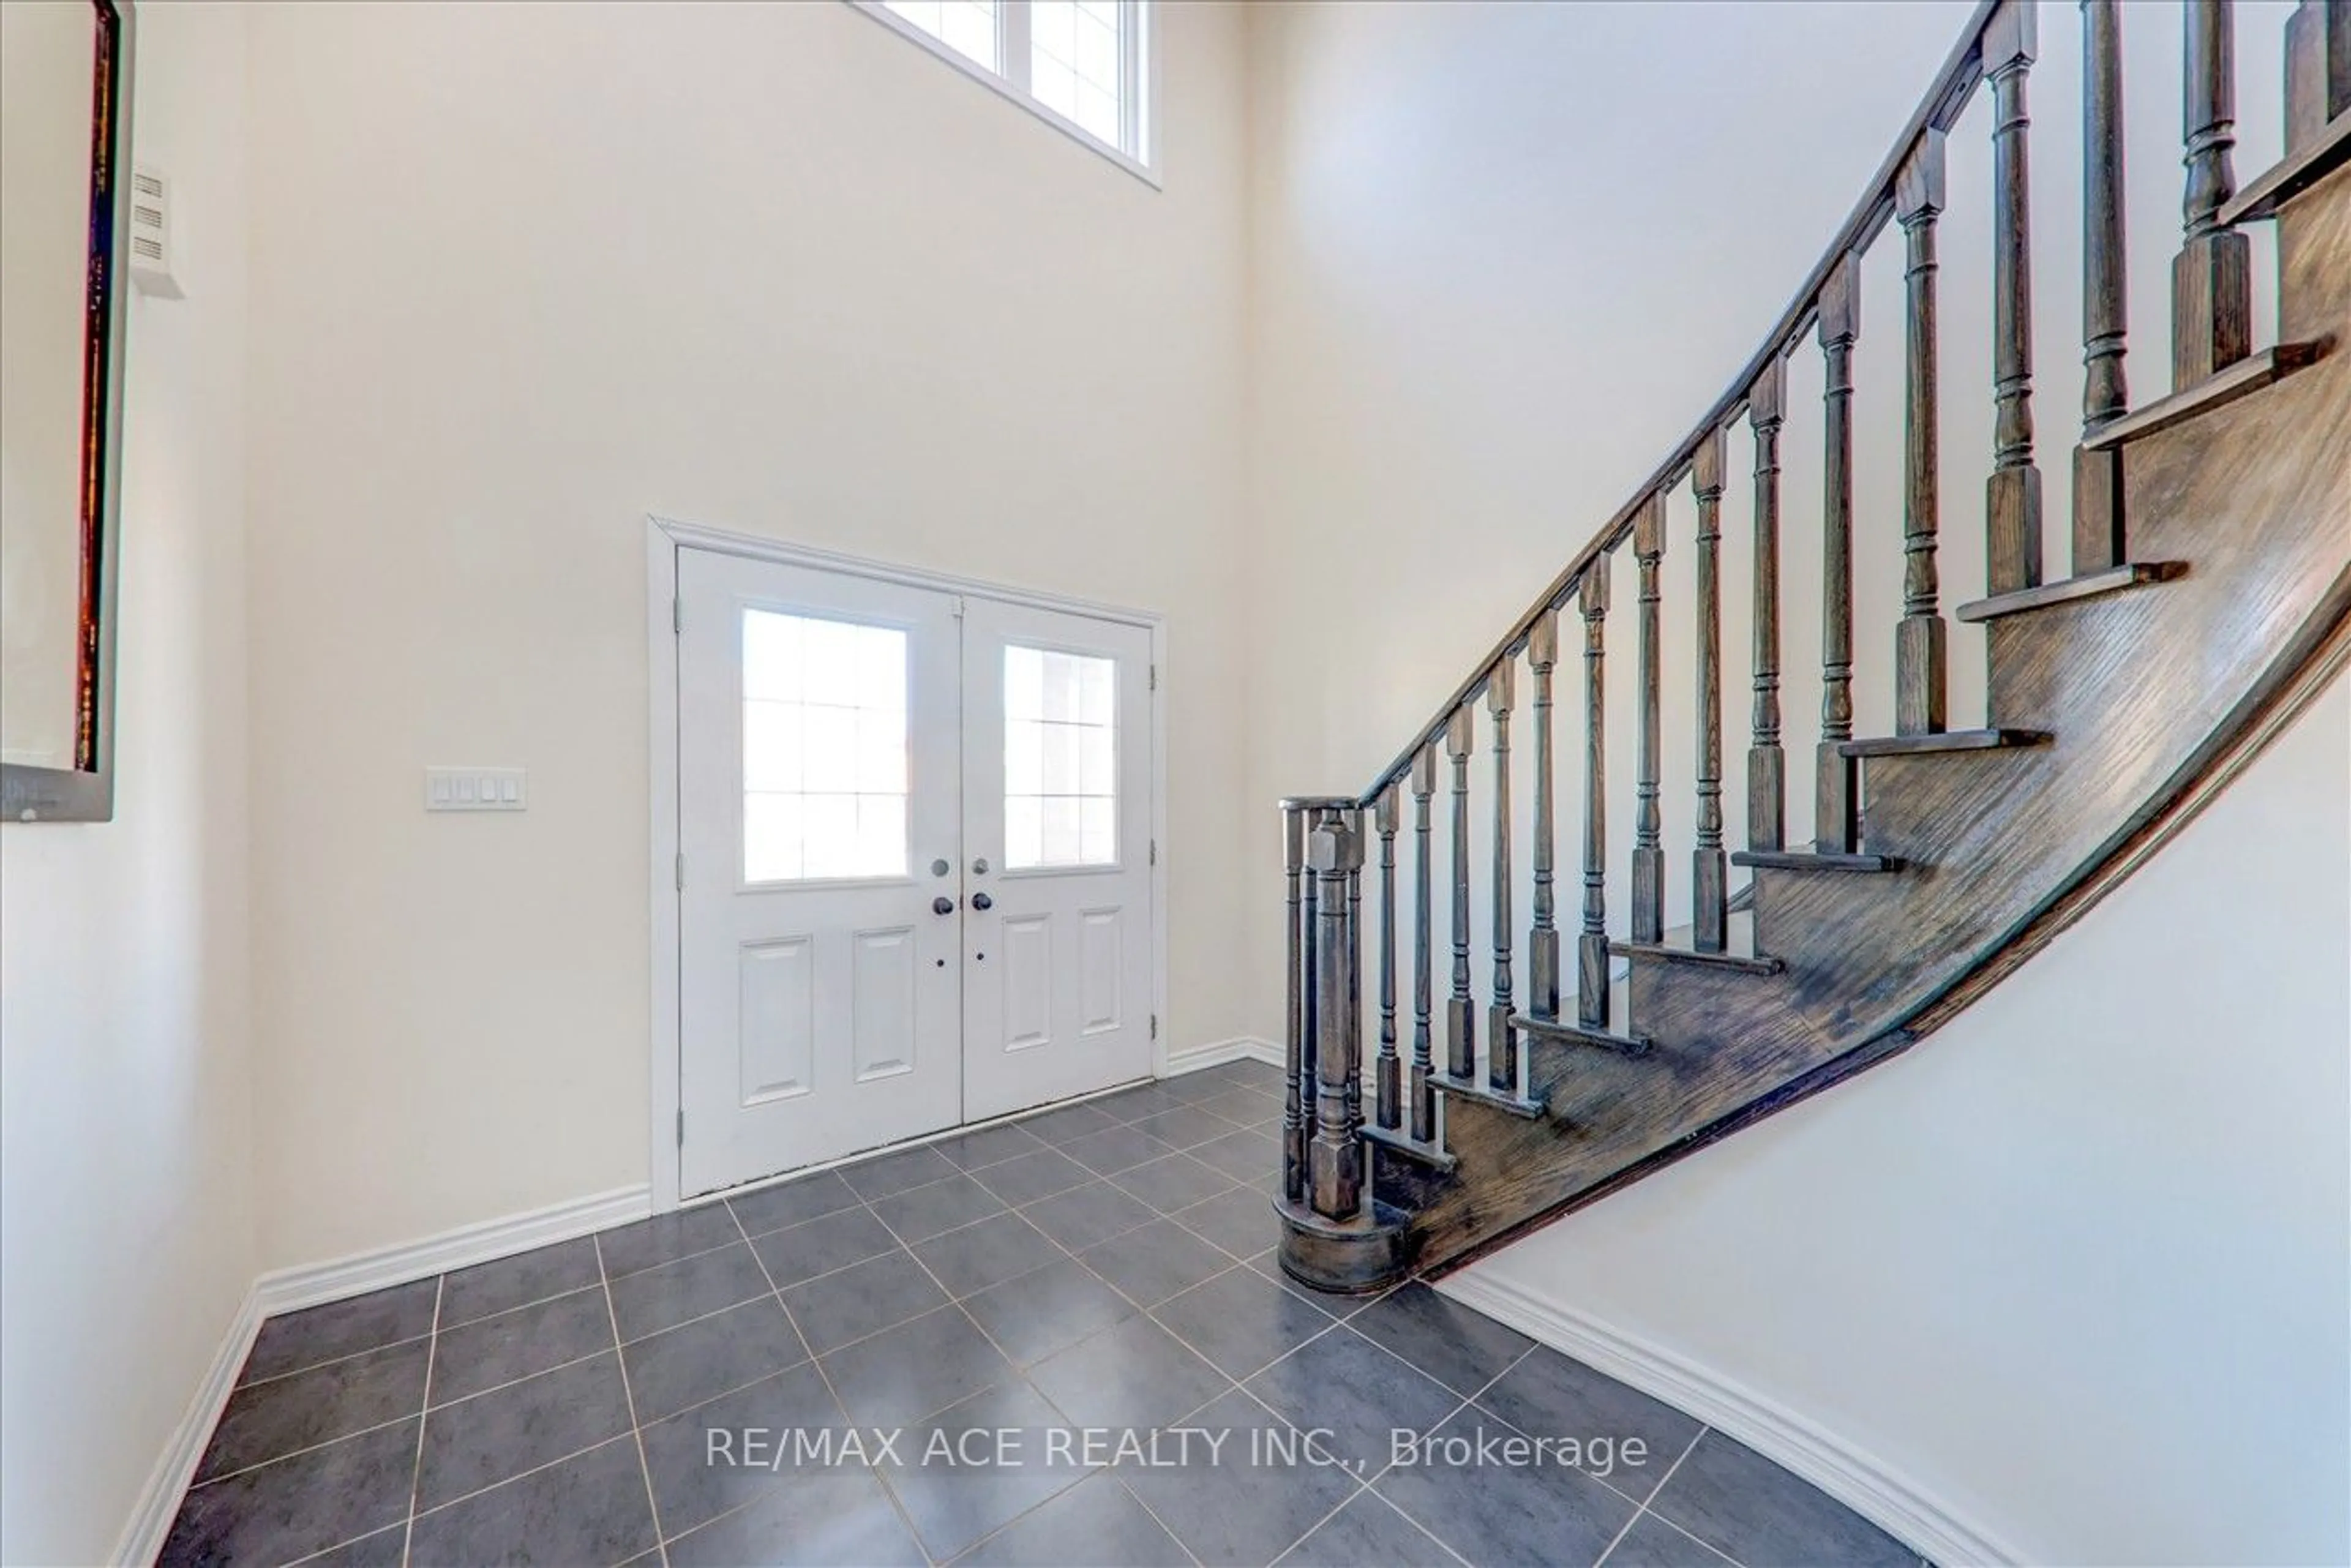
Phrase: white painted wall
(523, 274)
(2077, 1263)
(126, 1195)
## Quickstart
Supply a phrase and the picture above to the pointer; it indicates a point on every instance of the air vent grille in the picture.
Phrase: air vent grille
(152, 261)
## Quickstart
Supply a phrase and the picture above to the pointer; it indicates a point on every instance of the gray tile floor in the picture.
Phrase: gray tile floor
(1103, 1269)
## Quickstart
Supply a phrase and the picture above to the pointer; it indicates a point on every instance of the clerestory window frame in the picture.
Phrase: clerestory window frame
(1137, 150)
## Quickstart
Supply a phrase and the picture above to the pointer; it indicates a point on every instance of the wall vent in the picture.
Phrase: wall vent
(152, 259)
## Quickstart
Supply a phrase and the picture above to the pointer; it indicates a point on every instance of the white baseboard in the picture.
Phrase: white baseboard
(1240, 1048)
(1862, 1482)
(158, 1499)
(285, 1290)
(288, 1290)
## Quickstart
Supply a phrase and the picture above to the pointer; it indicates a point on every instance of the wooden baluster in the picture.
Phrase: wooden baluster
(1710, 891)
(1353, 1114)
(1543, 941)
(2211, 277)
(1299, 1049)
(1387, 1088)
(1501, 1039)
(1460, 1012)
(1767, 768)
(1836, 821)
(1334, 854)
(2338, 58)
(1424, 1096)
(1592, 945)
(1920, 640)
(2105, 394)
(2012, 495)
(2317, 70)
(1648, 855)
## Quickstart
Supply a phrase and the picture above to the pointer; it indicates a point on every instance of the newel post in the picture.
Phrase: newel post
(1297, 1044)
(1334, 1159)
(1333, 1235)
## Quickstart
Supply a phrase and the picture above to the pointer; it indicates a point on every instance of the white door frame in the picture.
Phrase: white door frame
(664, 538)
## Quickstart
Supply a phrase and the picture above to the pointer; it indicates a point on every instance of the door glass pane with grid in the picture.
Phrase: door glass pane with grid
(1060, 758)
(824, 748)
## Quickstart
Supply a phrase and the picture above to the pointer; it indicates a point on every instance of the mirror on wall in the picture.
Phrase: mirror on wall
(65, 177)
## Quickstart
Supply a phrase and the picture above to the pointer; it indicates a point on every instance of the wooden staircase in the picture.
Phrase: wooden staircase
(2210, 599)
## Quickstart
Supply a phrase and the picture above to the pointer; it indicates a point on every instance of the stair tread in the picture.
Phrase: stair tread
(1673, 953)
(1470, 1089)
(1812, 860)
(1943, 740)
(2267, 193)
(1565, 1029)
(1435, 1155)
(2090, 585)
(2248, 375)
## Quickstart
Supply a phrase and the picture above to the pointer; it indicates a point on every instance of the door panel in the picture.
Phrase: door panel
(820, 780)
(1057, 808)
(778, 1020)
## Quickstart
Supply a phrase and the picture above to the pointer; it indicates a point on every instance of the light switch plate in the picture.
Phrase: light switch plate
(477, 789)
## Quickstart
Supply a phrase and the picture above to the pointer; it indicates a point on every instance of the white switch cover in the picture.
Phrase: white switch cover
(477, 789)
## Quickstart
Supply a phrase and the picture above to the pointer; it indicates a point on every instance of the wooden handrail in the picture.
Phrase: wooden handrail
(1944, 99)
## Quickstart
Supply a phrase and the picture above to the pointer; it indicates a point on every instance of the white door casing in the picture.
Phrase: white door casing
(820, 1003)
(1057, 788)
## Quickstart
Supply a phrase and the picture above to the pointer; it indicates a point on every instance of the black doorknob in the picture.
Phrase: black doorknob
(943, 905)
(981, 901)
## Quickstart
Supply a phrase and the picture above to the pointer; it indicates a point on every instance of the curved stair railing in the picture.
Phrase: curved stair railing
(1469, 1137)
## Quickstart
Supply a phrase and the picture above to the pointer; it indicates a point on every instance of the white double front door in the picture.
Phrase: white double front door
(916, 875)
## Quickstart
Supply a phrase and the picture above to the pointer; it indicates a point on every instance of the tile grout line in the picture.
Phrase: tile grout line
(1232, 1385)
(958, 1300)
(1120, 1481)
(824, 1377)
(332, 1360)
(424, 1414)
(1658, 1492)
(304, 1449)
(952, 1301)
(636, 1432)
(1364, 1483)
(1365, 1491)
(1643, 1508)
(1021, 1372)
(1641, 1501)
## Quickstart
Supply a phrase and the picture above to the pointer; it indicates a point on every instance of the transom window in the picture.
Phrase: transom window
(1060, 758)
(1081, 64)
(824, 748)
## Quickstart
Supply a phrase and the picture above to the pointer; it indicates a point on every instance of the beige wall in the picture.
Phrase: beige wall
(126, 1195)
(525, 272)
